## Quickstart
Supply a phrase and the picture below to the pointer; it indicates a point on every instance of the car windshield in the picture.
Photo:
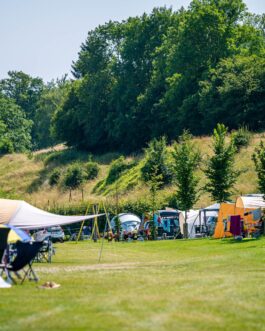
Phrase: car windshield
(169, 214)
(55, 229)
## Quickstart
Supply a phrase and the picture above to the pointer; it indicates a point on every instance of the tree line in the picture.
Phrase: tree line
(147, 77)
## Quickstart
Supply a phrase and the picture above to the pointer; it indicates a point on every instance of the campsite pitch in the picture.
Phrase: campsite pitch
(162, 285)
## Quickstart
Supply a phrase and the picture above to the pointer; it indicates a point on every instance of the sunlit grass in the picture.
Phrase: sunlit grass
(164, 285)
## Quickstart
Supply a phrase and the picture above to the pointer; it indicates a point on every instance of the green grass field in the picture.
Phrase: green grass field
(163, 285)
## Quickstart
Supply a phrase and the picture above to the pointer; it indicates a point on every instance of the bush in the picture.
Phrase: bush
(74, 177)
(55, 177)
(6, 146)
(116, 169)
(241, 138)
(92, 170)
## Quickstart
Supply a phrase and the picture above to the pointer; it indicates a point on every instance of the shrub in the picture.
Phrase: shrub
(74, 177)
(55, 177)
(241, 138)
(116, 169)
(92, 170)
(6, 146)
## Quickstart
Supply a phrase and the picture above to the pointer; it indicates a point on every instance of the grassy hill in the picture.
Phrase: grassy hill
(27, 176)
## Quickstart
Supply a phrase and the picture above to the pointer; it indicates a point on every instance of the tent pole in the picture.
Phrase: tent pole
(107, 218)
(95, 226)
(82, 225)
(102, 241)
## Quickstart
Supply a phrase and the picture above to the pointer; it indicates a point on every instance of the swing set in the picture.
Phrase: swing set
(95, 235)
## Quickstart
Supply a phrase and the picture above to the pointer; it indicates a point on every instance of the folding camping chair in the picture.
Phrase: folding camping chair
(46, 251)
(3, 242)
(25, 254)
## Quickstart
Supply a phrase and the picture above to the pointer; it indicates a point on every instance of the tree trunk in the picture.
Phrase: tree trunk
(185, 226)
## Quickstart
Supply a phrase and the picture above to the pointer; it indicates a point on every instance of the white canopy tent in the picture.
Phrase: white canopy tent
(24, 216)
(193, 219)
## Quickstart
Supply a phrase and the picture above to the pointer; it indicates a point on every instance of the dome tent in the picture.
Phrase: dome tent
(129, 222)
(22, 215)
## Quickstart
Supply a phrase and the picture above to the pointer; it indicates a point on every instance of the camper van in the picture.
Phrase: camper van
(167, 223)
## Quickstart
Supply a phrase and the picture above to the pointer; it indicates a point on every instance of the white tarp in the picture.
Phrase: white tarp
(26, 216)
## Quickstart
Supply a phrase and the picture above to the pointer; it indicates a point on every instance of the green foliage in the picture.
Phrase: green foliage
(156, 160)
(117, 227)
(56, 158)
(14, 128)
(49, 102)
(259, 161)
(128, 179)
(25, 92)
(55, 177)
(117, 167)
(220, 167)
(154, 183)
(241, 138)
(92, 170)
(186, 161)
(151, 76)
(187, 69)
(233, 93)
(74, 177)
(153, 229)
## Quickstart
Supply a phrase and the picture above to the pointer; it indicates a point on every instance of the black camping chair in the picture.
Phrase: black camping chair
(25, 254)
(46, 251)
(3, 242)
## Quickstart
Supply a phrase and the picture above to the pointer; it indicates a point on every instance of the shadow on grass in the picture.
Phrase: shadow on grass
(234, 241)
(52, 160)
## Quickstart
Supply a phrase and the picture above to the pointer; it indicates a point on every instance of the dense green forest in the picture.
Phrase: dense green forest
(143, 78)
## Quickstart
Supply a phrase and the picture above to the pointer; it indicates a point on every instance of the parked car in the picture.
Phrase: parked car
(55, 233)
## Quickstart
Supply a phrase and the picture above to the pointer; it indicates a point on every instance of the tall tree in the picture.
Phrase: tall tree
(25, 91)
(259, 161)
(15, 128)
(186, 161)
(220, 170)
(154, 183)
(49, 102)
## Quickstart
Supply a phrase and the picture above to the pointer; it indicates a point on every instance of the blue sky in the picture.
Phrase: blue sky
(43, 37)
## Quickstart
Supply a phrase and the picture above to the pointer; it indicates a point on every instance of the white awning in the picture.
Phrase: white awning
(24, 216)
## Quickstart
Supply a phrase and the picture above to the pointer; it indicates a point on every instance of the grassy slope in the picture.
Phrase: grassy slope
(24, 178)
(165, 285)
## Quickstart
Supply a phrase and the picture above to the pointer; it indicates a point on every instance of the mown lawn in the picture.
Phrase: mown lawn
(164, 285)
